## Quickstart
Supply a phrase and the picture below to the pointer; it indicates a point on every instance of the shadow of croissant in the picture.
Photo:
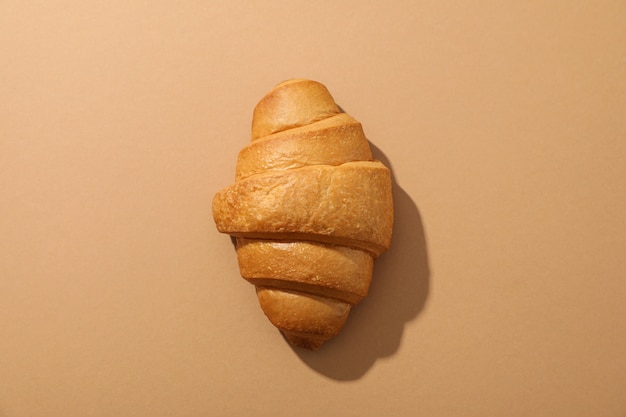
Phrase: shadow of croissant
(397, 294)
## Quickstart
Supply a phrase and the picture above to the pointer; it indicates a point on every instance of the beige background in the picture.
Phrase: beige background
(504, 292)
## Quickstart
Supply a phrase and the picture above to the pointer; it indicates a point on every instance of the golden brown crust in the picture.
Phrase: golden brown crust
(291, 104)
(331, 141)
(310, 210)
(325, 270)
(304, 318)
(347, 205)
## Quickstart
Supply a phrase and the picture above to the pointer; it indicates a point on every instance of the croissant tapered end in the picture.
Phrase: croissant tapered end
(290, 104)
(306, 320)
(305, 342)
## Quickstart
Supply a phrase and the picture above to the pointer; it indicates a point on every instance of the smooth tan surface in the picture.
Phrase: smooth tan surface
(504, 291)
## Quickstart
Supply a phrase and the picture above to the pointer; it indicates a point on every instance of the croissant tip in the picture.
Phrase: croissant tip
(292, 81)
(303, 341)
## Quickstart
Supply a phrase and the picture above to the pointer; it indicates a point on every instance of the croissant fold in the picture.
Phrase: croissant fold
(310, 211)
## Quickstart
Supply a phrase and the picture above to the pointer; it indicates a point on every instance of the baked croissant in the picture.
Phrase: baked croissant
(310, 211)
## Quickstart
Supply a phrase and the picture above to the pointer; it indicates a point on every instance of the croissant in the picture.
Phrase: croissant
(310, 211)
